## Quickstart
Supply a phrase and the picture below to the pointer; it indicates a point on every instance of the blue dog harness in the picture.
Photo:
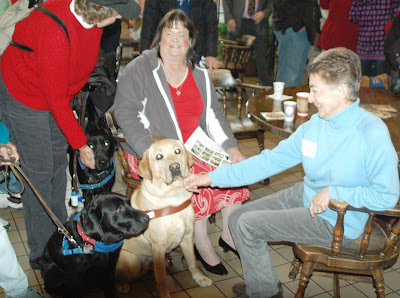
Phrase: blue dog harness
(91, 246)
(97, 185)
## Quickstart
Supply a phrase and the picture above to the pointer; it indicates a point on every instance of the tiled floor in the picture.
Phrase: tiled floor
(181, 284)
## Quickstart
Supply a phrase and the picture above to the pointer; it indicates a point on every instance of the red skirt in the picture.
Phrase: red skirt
(210, 199)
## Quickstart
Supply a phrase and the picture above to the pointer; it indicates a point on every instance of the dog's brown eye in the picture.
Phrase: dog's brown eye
(120, 209)
(177, 151)
(159, 156)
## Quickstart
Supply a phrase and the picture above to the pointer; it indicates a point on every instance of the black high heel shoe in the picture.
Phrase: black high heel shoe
(226, 247)
(217, 269)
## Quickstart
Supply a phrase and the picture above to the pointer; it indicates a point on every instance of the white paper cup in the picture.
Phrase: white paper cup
(278, 89)
(302, 103)
(289, 108)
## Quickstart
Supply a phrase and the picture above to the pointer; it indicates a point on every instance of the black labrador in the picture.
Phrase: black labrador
(102, 178)
(99, 231)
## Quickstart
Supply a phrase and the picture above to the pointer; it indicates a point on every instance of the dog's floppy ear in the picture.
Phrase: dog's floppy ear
(91, 217)
(144, 169)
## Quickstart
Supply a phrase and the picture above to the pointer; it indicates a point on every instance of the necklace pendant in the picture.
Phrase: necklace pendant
(178, 92)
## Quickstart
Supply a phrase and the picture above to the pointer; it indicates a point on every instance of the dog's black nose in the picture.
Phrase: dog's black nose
(174, 167)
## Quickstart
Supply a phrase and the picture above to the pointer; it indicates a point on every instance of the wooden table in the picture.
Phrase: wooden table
(260, 103)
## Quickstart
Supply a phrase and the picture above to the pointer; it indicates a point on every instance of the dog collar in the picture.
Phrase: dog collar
(92, 245)
(167, 210)
(97, 185)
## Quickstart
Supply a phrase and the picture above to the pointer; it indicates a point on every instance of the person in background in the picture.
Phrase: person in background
(111, 33)
(295, 25)
(203, 14)
(338, 31)
(251, 17)
(13, 279)
(36, 90)
(162, 93)
(372, 16)
(7, 199)
(346, 153)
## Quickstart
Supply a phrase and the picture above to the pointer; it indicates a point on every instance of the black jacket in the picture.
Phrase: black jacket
(296, 14)
(203, 14)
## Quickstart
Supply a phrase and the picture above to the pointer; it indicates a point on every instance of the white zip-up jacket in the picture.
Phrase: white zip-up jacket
(144, 107)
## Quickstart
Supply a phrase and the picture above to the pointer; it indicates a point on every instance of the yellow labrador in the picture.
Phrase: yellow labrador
(163, 167)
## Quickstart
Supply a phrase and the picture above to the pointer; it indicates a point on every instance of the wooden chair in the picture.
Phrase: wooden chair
(236, 54)
(362, 260)
(132, 183)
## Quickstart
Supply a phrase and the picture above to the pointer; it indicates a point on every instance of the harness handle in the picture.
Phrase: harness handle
(15, 168)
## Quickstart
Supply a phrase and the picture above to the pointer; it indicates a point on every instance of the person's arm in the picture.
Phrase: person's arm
(54, 70)
(259, 167)
(210, 24)
(218, 127)
(129, 106)
(151, 17)
(265, 13)
(229, 19)
(381, 169)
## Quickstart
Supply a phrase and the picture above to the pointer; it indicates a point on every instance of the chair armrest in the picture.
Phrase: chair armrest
(341, 207)
(237, 47)
(337, 205)
(256, 87)
(227, 41)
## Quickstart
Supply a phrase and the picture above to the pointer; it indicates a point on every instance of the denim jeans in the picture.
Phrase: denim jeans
(12, 183)
(292, 56)
(277, 217)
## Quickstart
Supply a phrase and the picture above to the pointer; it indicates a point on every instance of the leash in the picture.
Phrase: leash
(15, 168)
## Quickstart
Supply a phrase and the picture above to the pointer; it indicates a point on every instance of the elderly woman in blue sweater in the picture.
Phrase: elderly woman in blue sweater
(346, 153)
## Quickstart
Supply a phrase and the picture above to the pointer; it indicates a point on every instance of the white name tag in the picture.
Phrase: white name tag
(308, 148)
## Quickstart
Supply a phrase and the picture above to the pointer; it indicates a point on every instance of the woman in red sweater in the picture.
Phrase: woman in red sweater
(35, 92)
(338, 31)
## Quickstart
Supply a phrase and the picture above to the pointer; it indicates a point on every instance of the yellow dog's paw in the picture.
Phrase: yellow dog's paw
(202, 280)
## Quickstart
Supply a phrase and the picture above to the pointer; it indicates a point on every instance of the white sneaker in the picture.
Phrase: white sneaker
(10, 201)
(5, 224)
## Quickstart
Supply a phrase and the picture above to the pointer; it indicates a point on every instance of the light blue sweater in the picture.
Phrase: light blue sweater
(351, 152)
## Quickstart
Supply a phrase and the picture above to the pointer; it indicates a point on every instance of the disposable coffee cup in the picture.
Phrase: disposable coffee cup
(289, 108)
(302, 103)
(278, 89)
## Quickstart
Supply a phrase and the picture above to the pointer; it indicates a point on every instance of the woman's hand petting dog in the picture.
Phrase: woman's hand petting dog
(87, 156)
(195, 180)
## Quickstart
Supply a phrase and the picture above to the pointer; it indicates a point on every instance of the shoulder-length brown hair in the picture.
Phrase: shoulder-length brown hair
(172, 17)
(93, 13)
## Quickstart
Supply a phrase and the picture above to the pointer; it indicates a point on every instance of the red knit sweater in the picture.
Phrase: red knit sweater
(48, 78)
